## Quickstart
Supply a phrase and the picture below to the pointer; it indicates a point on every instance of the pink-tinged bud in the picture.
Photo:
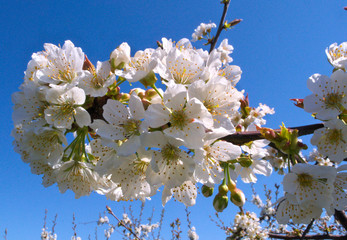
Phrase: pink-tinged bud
(299, 102)
(207, 191)
(220, 202)
(232, 23)
(235, 22)
(345, 8)
(223, 189)
(238, 197)
(231, 185)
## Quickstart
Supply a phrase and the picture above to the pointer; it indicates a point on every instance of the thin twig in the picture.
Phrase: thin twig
(307, 229)
(161, 222)
(221, 25)
(54, 223)
(121, 222)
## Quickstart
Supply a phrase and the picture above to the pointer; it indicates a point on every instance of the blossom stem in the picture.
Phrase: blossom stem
(157, 91)
(121, 80)
(221, 25)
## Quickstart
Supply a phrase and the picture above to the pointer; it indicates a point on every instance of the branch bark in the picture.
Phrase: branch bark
(341, 217)
(241, 138)
(221, 25)
(324, 236)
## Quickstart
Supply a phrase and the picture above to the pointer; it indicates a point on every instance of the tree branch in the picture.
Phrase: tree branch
(241, 138)
(307, 229)
(221, 25)
(324, 236)
(341, 217)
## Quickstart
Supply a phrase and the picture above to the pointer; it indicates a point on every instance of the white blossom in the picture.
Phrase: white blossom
(95, 83)
(337, 55)
(65, 107)
(328, 99)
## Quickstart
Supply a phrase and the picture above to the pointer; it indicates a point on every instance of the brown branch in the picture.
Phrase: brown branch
(341, 217)
(241, 138)
(221, 25)
(324, 236)
(307, 229)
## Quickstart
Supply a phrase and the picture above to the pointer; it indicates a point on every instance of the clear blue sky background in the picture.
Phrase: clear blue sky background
(278, 46)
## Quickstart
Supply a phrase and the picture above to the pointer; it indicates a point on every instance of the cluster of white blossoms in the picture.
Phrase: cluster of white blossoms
(247, 226)
(74, 126)
(202, 30)
(312, 188)
(47, 235)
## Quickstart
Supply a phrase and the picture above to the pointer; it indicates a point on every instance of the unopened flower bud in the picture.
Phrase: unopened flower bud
(231, 185)
(149, 80)
(220, 202)
(207, 191)
(238, 197)
(123, 97)
(150, 93)
(120, 56)
(141, 95)
(223, 189)
(136, 90)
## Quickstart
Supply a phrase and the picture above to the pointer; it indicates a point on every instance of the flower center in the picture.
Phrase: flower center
(210, 106)
(338, 53)
(67, 108)
(332, 100)
(97, 82)
(131, 127)
(305, 180)
(170, 153)
(67, 75)
(178, 119)
(140, 167)
(334, 135)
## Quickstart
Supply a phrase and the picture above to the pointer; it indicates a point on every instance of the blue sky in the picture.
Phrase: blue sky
(278, 46)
